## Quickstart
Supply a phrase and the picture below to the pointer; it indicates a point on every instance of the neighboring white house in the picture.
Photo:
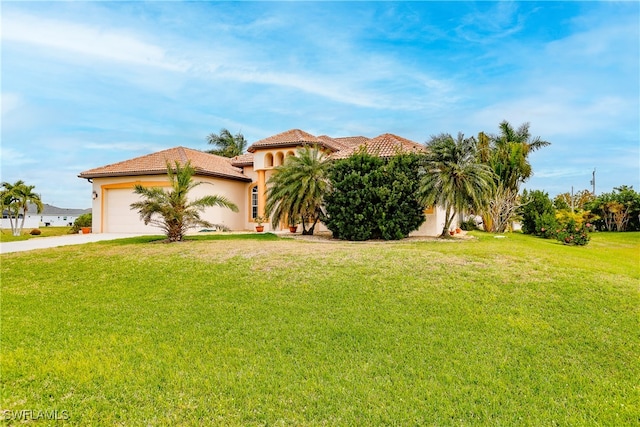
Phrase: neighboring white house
(51, 216)
(242, 179)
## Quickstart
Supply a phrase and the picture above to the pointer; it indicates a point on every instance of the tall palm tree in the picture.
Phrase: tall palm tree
(297, 189)
(227, 145)
(507, 154)
(454, 178)
(16, 198)
(25, 195)
(8, 200)
(171, 210)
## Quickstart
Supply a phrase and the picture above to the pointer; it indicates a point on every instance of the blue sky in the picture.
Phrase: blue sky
(86, 84)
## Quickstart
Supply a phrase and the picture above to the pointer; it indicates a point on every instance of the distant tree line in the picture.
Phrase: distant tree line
(618, 210)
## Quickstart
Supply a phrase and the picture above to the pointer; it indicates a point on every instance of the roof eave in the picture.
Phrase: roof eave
(253, 149)
(161, 172)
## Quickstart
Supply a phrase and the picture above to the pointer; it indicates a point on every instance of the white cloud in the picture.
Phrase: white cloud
(13, 157)
(10, 102)
(560, 173)
(78, 39)
(554, 115)
(499, 22)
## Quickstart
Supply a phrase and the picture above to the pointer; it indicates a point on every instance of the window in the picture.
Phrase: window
(254, 202)
(268, 160)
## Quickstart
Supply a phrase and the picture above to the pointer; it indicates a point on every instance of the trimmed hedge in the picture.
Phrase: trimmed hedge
(373, 198)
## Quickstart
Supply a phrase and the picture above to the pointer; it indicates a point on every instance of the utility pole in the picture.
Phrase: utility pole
(593, 182)
(572, 199)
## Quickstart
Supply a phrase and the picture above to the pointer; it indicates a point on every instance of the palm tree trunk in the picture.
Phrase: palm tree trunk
(447, 223)
(13, 229)
(24, 216)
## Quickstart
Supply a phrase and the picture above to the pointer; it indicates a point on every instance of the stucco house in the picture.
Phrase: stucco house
(242, 179)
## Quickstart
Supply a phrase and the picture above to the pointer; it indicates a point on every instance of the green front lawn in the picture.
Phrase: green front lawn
(6, 236)
(241, 331)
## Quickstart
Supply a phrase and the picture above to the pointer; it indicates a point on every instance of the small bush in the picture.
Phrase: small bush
(468, 225)
(574, 234)
(83, 220)
(35, 232)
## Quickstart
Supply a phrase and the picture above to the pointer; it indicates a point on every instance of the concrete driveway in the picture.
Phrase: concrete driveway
(52, 242)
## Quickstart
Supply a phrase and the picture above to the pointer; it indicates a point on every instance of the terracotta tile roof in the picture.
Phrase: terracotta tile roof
(333, 143)
(385, 145)
(350, 141)
(245, 159)
(290, 138)
(156, 163)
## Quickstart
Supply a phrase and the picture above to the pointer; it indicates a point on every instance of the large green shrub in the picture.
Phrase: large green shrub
(83, 220)
(373, 198)
(537, 212)
(546, 226)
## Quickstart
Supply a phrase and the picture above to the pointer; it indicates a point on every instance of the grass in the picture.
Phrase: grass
(6, 236)
(238, 331)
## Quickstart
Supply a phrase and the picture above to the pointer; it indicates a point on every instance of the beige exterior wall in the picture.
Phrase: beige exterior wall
(112, 212)
(436, 218)
(264, 161)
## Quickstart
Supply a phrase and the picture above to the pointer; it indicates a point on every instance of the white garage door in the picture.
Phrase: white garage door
(120, 218)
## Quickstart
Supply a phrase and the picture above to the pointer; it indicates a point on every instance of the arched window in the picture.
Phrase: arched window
(254, 201)
(290, 153)
(268, 160)
(279, 158)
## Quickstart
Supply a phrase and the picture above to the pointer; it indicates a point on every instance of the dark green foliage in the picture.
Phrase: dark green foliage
(546, 225)
(226, 144)
(468, 225)
(537, 212)
(83, 220)
(374, 199)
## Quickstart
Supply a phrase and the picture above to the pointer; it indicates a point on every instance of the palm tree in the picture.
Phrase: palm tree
(8, 200)
(454, 178)
(297, 189)
(507, 155)
(171, 210)
(227, 145)
(16, 198)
